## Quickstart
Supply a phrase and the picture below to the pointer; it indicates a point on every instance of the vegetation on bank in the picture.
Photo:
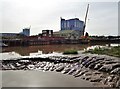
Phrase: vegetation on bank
(113, 51)
(70, 52)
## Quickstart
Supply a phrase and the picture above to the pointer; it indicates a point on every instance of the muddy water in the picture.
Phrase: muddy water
(44, 49)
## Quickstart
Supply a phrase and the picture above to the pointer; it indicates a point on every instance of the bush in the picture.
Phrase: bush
(114, 51)
(70, 52)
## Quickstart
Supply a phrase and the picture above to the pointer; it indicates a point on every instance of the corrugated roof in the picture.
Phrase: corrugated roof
(67, 31)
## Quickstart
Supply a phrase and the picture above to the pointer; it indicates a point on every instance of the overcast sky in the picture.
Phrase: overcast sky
(45, 14)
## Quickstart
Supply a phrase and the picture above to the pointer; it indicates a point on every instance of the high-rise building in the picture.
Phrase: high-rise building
(72, 24)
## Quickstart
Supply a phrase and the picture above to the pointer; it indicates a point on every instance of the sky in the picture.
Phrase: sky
(45, 14)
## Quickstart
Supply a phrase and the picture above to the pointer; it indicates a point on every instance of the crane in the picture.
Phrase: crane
(86, 18)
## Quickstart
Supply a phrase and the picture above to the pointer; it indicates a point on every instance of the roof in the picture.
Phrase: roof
(65, 31)
(73, 19)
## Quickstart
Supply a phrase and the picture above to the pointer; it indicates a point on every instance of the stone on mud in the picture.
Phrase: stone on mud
(59, 69)
(118, 84)
(116, 71)
(81, 73)
(96, 80)
(98, 66)
(106, 68)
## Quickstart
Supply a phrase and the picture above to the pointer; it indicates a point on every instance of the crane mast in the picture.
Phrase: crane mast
(86, 18)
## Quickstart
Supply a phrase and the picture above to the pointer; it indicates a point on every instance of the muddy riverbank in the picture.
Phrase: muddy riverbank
(101, 71)
(40, 79)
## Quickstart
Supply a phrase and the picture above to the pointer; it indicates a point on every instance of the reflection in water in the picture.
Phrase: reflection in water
(45, 49)
(25, 51)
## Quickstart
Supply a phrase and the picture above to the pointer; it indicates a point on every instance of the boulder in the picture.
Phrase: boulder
(96, 80)
(96, 72)
(118, 84)
(116, 71)
(90, 62)
(88, 78)
(66, 70)
(110, 78)
(106, 68)
(81, 73)
(72, 71)
(59, 69)
(77, 72)
(88, 74)
(116, 65)
(30, 66)
(86, 61)
(98, 66)
(52, 68)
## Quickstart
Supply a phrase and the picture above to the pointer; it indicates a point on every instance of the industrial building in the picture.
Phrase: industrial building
(73, 24)
(26, 31)
(47, 33)
(7, 35)
(68, 34)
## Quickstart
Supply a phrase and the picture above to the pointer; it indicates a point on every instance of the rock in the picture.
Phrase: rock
(90, 62)
(5, 67)
(52, 68)
(30, 67)
(110, 62)
(24, 61)
(109, 67)
(98, 66)
(105, 81)
(72, 71)
(46, 68)
(84, 58)
(110, 78)
(92, 65)
(88, 74)
(88, 78)
(118, 84)
(116, 65)
(42, 65)
(111, 84)
(106, 68)
(116, 78)
(75, 59)
(59, 69)
(86, 61)
(22, 67)
(12, 67)
(96, 72)
(81, 73)
(102, 76)
(18, 64)
(77, 72)
(96, 80)
(66, 70)
(116, 71)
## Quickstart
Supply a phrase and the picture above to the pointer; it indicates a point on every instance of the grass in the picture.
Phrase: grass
(113, 51)
(70, 52)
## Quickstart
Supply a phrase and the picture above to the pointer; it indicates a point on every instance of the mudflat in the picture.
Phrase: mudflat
(33, 78)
